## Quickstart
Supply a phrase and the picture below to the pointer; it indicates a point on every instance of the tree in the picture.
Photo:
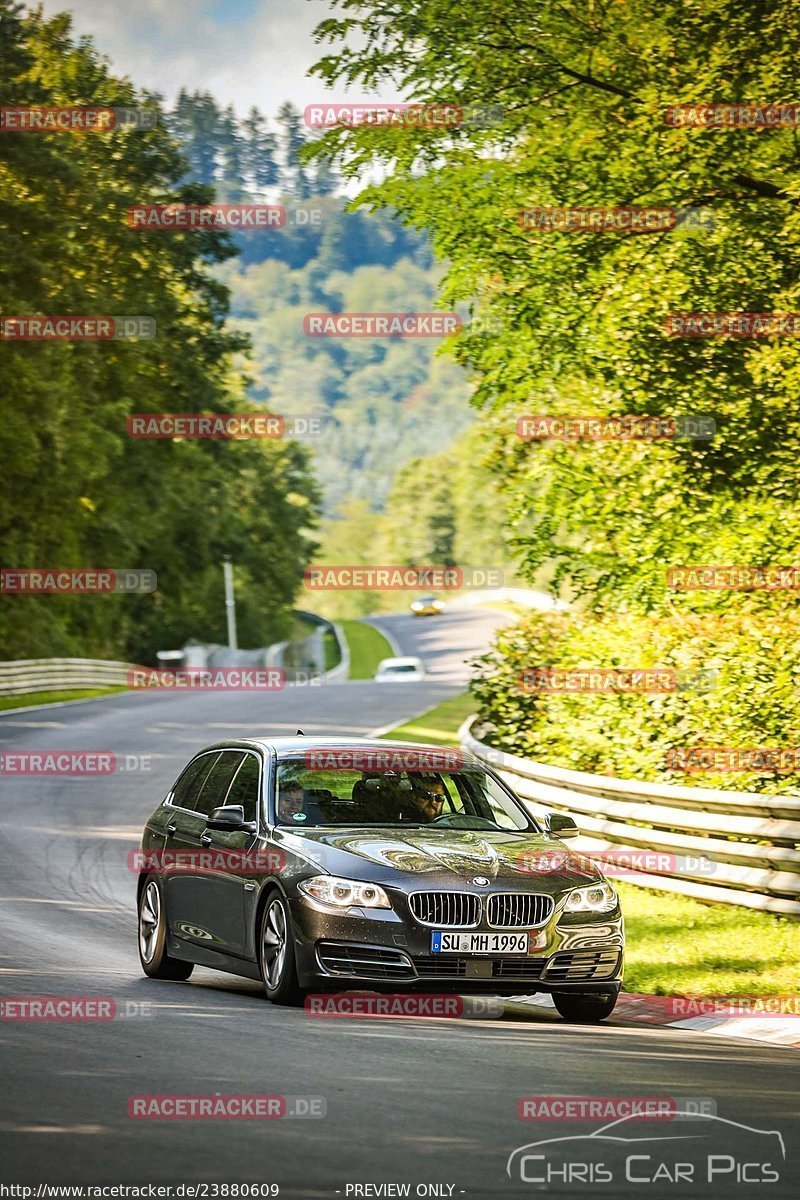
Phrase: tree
(260, 148)
(292, 141)
(77, 491)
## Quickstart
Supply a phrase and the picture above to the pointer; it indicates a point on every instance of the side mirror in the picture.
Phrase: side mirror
(229, 819)
(559, 825)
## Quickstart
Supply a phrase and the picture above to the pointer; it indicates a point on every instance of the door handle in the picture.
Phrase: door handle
(206, 839)
(172, 829)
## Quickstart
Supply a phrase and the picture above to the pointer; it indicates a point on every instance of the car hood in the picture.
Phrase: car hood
(444, 855)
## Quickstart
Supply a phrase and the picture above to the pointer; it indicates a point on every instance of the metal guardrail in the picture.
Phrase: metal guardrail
(66, 674)
(58, 674)
(726, 847)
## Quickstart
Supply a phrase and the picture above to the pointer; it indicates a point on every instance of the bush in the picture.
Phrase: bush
(753, 699)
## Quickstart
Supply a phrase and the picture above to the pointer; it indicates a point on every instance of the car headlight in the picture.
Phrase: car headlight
(598, 898)
(438, 604)
(416, 607)
(343, 893)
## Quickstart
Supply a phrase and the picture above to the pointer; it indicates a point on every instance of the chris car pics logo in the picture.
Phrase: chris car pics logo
(703, 1149)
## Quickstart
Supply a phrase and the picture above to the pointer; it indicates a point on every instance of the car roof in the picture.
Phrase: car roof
(400, 662)
(287, 746)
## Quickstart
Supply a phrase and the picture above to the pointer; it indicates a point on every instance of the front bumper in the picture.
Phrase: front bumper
(383, 952)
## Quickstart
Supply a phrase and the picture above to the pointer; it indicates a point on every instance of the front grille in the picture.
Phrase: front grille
(369, 962)
(446, 910)
(437, 964)
(518, 910)
(579, 966)
(518, 968)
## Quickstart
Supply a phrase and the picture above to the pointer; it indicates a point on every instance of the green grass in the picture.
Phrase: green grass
(679, 945)
(22, 701)
(330, 648)
(438, 725)
(367, 648)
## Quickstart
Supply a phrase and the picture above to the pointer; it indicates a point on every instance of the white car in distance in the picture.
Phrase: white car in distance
(400, 670)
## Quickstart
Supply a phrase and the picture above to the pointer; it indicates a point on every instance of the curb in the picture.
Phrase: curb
(634, 1008)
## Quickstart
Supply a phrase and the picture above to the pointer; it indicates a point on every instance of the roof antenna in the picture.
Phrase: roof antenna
(300, 733)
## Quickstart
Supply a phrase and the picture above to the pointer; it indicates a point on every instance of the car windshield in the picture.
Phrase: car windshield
(394, 788)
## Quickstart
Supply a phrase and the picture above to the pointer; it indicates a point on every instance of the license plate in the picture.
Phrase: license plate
(444, 942)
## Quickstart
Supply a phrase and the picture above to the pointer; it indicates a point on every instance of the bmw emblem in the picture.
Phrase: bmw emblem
(481, 881)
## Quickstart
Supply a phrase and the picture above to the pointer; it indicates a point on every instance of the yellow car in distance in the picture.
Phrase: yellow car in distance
(427, 606)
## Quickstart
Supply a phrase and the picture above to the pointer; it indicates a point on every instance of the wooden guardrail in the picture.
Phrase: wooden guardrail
(728, 847)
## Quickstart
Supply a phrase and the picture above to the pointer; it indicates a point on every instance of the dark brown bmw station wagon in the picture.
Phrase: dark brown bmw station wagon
(334, 864)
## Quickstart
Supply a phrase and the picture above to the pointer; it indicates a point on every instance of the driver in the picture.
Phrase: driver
(429, 798)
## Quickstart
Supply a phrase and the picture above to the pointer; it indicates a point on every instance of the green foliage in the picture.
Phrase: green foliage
(442, 510)
(384, 401)
(77, 491)
(754, 700)
(584, 88)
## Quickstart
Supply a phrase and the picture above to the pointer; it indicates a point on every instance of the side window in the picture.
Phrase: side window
(186, 790)
(217, 782)
(246, 787)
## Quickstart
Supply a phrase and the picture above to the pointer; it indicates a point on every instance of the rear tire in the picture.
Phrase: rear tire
(276, 953)
(153, 936)
(585, 1007)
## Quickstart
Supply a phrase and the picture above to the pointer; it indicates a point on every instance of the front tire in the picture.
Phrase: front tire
(276, 953)
(585, 1007)
(153, 936)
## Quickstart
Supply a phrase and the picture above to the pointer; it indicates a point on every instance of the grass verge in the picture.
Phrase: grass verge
(28, 698)
(367, 647)
(330, 648)
(678, 945)
(438, 725)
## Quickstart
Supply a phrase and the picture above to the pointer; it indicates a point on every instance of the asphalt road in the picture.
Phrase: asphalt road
(409, 1101)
